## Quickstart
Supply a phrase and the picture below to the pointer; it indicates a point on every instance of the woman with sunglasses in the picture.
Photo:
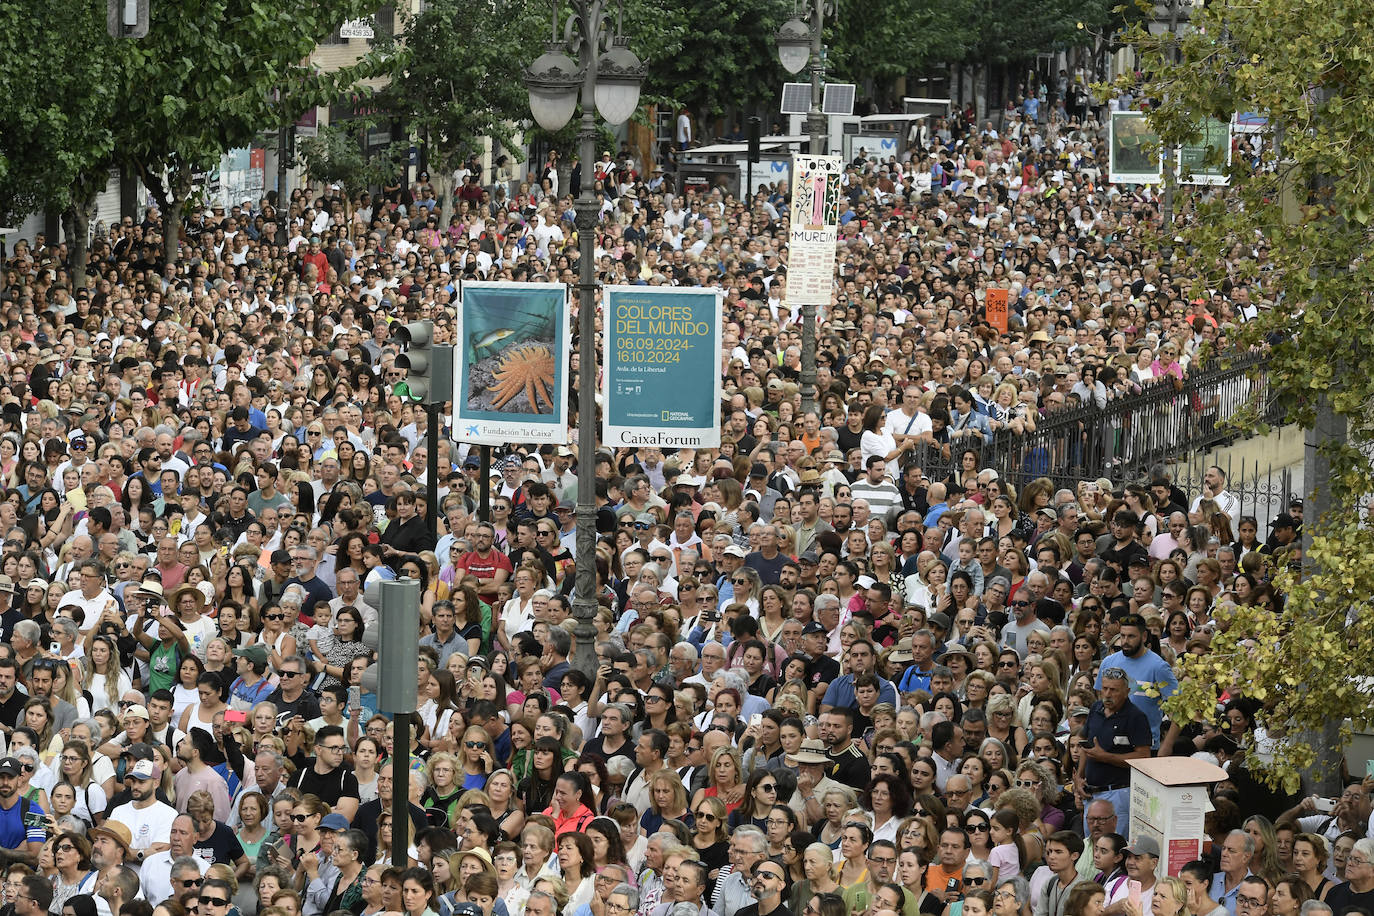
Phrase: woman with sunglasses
(280, 644)
(710, 836)
(760, 794)
(72, 861)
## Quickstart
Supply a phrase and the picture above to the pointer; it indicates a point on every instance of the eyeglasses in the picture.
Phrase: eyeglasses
(65, 847)
(333, 747)
(1027, 783)
(1242, 900)
(975, 881)
(293, 674)
(768, 787)
(978, 828)
(739, 581)
(1116, 674)
(274, 616)
(708, 816)
(214, 901)
(1020, 604)
(190, 882)
(653, 699)
(474, 744)
(299, 818)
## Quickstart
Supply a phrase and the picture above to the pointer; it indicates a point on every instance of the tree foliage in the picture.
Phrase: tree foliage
(58, 83)
(212, 74)
(1310, 195)
(335, 155)
(727, 58)
(1306, 664)
(458, 74)
(884, 40)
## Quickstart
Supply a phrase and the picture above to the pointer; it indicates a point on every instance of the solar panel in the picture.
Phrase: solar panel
(838, 99)
(796, 98)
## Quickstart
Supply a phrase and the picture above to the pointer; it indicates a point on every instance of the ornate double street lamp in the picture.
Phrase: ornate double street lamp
(591, 64)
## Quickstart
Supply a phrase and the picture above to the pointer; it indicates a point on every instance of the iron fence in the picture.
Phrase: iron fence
(1165, 424)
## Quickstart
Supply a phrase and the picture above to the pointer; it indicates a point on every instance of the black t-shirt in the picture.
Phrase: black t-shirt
(222, 846)
(330, 787)
(11, 708)
(847, 440)
(597, 748)
(753, 910)
(307, 706)
(850, 767)
(1341, 898)
(821, 670)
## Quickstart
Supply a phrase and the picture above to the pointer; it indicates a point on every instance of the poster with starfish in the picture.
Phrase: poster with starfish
(511, 378)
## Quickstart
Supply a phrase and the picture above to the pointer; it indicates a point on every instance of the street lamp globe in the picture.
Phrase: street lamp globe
(619, 74)
(553, 81)
(794, 45)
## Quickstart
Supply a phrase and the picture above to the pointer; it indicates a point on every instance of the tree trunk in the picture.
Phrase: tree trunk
(80, 234)
(442, 179)
(171, 229)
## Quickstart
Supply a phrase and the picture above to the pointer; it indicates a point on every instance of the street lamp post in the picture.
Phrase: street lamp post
(605, 76)
(798, 44)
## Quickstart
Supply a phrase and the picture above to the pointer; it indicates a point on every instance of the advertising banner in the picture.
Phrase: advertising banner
(1193, 166)
(510, 374)
(661, 382)
(1135, 152)
(995, 305)
(815, 228)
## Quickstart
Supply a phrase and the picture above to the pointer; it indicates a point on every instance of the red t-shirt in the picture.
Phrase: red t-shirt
(484, 567)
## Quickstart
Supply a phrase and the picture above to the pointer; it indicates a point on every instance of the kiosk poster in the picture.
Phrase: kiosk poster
(511, 363)
(1135, 152)
(1198, 162)
(814, 229)
(661, 383)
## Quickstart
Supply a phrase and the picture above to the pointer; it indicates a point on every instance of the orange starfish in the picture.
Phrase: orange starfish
(527, 369)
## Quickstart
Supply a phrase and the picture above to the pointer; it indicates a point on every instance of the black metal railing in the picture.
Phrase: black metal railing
(1162, 424)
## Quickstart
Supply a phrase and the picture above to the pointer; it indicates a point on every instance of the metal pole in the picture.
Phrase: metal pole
(584, 594)
(400, 788)
(281, 186)
(819, 146)
(484, 483)
(1167, 216)
(435, 413)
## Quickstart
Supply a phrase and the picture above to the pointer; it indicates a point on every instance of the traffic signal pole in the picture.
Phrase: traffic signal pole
(429, 379)
(393, 680)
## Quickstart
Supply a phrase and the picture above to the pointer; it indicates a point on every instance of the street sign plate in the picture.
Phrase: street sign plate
(356, 28)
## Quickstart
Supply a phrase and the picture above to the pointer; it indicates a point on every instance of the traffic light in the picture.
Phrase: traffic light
(751, 133)
(429, 369)
(394, 639)
(127, 18)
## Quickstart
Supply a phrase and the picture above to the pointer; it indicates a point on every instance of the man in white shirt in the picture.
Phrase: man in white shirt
(168, 873)
(147, 819)
(1214, 488)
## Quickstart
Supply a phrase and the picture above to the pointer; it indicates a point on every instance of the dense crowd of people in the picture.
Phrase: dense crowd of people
(843, 666)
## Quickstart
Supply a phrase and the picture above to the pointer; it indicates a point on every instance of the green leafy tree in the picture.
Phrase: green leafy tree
(58, 84)
(211, 75)
(727, 57)
(885, 40)
(335, 155)
(459, 79)
(1310, 194)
